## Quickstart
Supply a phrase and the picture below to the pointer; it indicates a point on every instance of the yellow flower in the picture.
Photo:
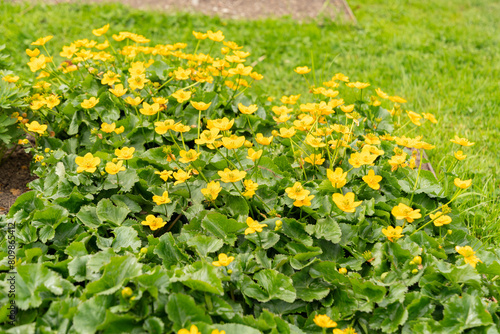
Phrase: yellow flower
(216, 331)
(179, 127)
(364, 158)
(254, 155)
(125, 153)
(101, 31)
(182, 74)
(397, 99)
(87, 163)
(224, 260)
(440, 219)
(32, 53)
(163, 199)
(430, 117)
(397, 161)
(346, 202)
(306, 201)
(287, 133)
(119, 130)
(181, 95)
(181, 176)
(414, 117)
(324, 321)
(253, 226)
(302, 70)
(340, 77)
(462, 184)
(160, 100)
(229, 176)
(461, 141)
(223, 124)
(189, 156)
(233, 142)
(381, 94)
(149, 109)
(393, 233)
(315, 159)
(89, 103)
(208, 136)
(52, 101)
(164, 174)
(357, 84)
(10, 78)
(337, 178)
(39, 63)
(459, 155)
(212, 190)
(292, 99)
(469, 255)
(153, 222)
(403, 211)
(247, 110)
(199, 35)
(297, 192)
(110, 78)
(113, 169)
(347, 109)
(108, 128)
(37, 127)
(217, 36)
(41, 41)
(133, 101)
(201, 106)
(314, 141)
(250, 188)
(372, 180)
(137, 82)
(259, 138)
(241, 69)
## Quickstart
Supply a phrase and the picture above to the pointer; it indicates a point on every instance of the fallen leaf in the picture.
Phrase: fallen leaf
(15, 192)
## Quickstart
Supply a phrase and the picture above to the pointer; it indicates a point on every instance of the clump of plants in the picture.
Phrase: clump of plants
(171, 199)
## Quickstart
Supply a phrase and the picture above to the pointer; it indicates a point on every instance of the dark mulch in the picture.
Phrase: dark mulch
(14, 175)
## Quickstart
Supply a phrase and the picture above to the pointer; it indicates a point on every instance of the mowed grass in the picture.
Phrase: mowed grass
(442, 56)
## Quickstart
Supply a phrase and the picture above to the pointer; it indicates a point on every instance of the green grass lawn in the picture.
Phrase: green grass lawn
(442, 56)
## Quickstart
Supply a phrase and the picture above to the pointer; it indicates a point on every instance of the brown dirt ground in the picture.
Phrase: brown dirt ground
(249, 9)
(14, 175)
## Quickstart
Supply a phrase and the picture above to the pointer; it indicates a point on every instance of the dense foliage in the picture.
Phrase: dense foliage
(170, 200)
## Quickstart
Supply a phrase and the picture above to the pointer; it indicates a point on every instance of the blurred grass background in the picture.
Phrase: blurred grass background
(442, 56)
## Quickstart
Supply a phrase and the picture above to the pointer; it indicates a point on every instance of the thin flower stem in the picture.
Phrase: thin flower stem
(238, 159)
(222, 155)
(418, 176)
(249, 206)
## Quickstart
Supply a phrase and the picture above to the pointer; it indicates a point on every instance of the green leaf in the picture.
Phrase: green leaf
(91, 313)
(205, 244)
(154, 325)
(326, 228)
(265, 239)
(309, 289)
(106, 211)
(200, 276)
(236, 206)
(465, 312)
(169, 252)
(389, 320)
(426, 184)
(182, 310)
(271, 285)
(115, 275)
(222, 227)
(127, 179)
(236, 328)
(88, 216)
(126, 236)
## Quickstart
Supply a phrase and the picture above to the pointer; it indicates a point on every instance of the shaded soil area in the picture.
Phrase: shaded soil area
(249, 9)
(14, 175)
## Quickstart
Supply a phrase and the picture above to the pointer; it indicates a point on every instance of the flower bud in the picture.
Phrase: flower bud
(144, 250)
(414, 271)
(127, 292)
(343, 271)
(417, 260)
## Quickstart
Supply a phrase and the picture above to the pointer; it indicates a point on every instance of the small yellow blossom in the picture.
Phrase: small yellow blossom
(164, 174)
(440, 219)
(397, 99)
(41, 41)
(461, 141)
(324, 321)
(297, 192)
(89, 103)
(189, 156)
(381, 94)
(469, 255)
(250, 188)
(113, 169)
(212, 190)
(414, 117)
(181, 176)
(306, 201)
(259, 138)
(315, 159)
(302, 70)
(223, 261)
(208, 136)
(247, 110)
(10, 78)
(403, 211)
(108, 128)
(101, 31)
(201, 106)
(163, 199)
(233, 142)
(253, 226)
(229, 176)
(459, 155)
(357, 84)
(153, 222)
(393, 233)
(125, 153)
(430, 117)
(337, 178)
(254, 155)
(346, 202)
(462, 184)
(217, 36)
(87, 163)
(37, 127)
(372, 180)
(223, 124)
(127, 292)
(110, 78)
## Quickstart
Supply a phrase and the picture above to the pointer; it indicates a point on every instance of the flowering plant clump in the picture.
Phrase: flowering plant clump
(171, 199)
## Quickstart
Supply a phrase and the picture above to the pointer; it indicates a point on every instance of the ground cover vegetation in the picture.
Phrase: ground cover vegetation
(175, 195)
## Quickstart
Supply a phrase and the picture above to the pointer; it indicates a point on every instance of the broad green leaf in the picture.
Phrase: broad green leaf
(326, 228)
(200, 276)
(222, 227)
(88, 216)
(182, 310)
(106, 211)
(389, 319)
(465, 312)
(205, 244)
(91, 313)
(273, 285)
(169, 252)
(126, 236)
